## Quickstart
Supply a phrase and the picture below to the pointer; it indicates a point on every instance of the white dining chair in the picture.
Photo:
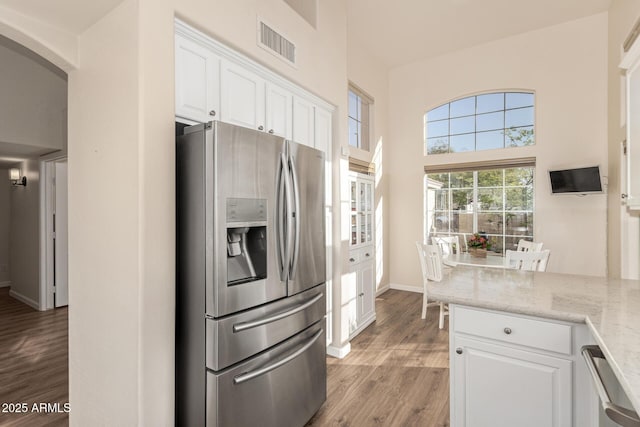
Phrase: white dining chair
(448, 244)
(530, 261)
(528, 246)
(431, 265)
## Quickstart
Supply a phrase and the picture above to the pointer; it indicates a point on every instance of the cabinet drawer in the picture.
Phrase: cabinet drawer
(528, 332)
(359, 255)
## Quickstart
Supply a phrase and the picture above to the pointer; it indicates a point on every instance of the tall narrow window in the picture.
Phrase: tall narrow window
(481, 122)
(359, 118)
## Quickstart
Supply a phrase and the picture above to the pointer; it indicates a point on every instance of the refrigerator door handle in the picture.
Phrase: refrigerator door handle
(239, 379)
(294, 217)
(282, 184)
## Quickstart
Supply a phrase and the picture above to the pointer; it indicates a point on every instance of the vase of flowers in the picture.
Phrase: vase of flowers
(478, 245)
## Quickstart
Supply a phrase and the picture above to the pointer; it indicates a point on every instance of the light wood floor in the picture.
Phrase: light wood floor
(397, 373)
(33, 361)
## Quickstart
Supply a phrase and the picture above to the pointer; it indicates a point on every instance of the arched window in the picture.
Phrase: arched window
(481, 122)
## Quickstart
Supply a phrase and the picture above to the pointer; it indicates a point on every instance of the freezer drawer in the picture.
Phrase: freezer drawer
(235, 338)
(282, 387)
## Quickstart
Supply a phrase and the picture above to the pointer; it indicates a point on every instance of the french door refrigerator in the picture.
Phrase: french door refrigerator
(250, 283)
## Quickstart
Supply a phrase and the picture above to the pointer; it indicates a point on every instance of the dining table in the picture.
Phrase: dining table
(465, 258)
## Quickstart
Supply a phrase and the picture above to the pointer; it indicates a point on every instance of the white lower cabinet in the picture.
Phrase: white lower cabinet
(512, 370)
(360, 292)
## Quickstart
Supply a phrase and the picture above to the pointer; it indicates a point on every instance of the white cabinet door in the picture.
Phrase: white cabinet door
(279, 111)
(366, 288)
(350, 298)
(303, 122)
(197, 81)
(242, 100)
(500, 386)
(323, 130)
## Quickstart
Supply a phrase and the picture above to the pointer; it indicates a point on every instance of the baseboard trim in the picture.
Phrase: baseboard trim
(24, 299)
(407, 288)
(339, 352)
(5, 284)
(382, 290)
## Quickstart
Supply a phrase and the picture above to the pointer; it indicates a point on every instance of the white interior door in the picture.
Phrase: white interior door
(629, 230)
(61, 262)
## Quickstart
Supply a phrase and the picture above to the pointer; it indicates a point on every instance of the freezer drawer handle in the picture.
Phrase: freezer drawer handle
(239, 379)
(623, 416)
(243, 326)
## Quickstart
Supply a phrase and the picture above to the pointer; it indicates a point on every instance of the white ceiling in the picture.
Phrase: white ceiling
(404, 31)
(73, 16)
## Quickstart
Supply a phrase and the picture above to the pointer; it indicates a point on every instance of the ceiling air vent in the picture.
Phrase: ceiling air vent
(274, 42)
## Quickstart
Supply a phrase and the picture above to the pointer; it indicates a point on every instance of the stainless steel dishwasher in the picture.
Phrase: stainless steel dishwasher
(615, 407)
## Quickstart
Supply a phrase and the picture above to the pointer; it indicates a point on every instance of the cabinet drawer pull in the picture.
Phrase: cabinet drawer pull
(212, 113)
(459, 350)
(361, 294)
(507, 331)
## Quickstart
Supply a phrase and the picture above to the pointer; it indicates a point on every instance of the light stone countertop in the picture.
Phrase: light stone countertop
(610, 307)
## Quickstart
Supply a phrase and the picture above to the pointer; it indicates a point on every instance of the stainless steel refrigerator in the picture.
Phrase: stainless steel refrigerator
(250, 283)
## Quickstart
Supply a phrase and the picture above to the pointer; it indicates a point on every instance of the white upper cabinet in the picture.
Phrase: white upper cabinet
(279, 111)
(242, 99)
(303, 121)
(197, 81)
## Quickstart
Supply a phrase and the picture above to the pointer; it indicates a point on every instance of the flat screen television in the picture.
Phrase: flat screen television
(576, 181)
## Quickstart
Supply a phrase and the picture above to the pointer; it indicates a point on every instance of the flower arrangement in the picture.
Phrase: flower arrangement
(479, 242)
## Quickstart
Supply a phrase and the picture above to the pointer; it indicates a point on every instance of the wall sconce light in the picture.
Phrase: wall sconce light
(14, 176)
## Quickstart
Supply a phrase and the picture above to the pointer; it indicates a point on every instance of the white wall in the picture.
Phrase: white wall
(623, 237)
(5, 221)
(33, 102)
(566, 67)
(24, 237)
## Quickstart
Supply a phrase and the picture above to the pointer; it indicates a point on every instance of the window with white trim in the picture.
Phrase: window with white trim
(494, 202)
(481, 122)
(359, 118)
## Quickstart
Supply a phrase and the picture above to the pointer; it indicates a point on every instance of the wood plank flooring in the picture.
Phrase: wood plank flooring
(397, 373)
(33, 362)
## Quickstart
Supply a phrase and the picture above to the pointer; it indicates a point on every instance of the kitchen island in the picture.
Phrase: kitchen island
(610, 308)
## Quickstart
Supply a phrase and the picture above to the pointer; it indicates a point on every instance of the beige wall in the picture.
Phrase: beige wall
(623, 236)
(5, 221)
(33, 102)
(24, 236)
(566, 67)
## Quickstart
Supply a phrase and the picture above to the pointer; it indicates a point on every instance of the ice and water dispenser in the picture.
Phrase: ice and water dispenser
(246, 240)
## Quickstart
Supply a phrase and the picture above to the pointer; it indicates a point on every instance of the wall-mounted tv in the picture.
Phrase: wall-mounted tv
(576, 181)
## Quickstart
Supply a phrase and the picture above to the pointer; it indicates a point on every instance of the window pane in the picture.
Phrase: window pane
(440, 221)
(439, 128)
(490, 178)
(354, 105)
(354, 133)
(442, 112)
(463, 107)
(438, 145)
(491, 121)
(519, 117)
(462, 180)
(519, 137)
(489, 140)
(518, 99)
(439, 178)
(463, 125)
(462, 222)
(490, 199)
(518, 176)
(461, 143)
(461, 200)
(441, 200)
(496, 243)
(490, 102)
(519, 224)
(519, 198)
(490, 223)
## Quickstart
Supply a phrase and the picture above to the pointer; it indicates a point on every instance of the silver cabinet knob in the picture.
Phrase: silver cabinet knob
(271, 131)
(212, 113)
(352, 259)
(361, 294)
(624, 195)
(366, 254)
(260, 127)
(459, 350)
(507, 331)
